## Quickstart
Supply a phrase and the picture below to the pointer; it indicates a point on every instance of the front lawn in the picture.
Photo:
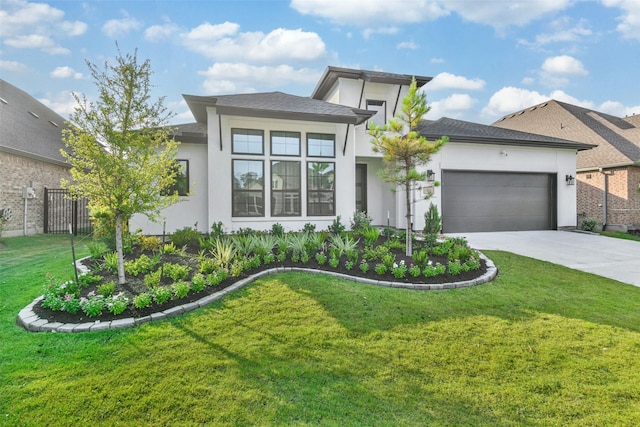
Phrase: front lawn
(541, 345)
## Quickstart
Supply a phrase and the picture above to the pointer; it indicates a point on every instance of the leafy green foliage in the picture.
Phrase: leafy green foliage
(186, 236)
(432, 221)
(336, 227)
(360, 222)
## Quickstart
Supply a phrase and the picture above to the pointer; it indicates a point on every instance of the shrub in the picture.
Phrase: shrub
(268, 259)
(375, 253)
(185, 236)
(364, 266)
(217, 230)
(142, 265)
(198, 282)
(180, 289)
(93, 304)
(88, 279)
(223, 253)
(454, 268)
(117, 304)
(97, 249)
(349, 265)
(106, 289)
(264, 245)
(399, 271)
(381, 269)
(360, 222)
(370, 235)
(208, 265)
(414, 270)
(336, 227)
(111, 261)
(321, 258)
(420, 258)
(432, 221)
(334, 262)
(309, 228)
(71, 304)
(142, 300)
(150, 243)
(244, 244)
(237, 267)
(161, 294)
(389, 232)
(245, 232)
(588, 224)
(388, 261)
(297, 243)
(176, 271)
(342, 246)
(277, 230)
(171, 248)
(152, 280)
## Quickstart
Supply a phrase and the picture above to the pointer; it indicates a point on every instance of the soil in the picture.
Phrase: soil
(135, 285)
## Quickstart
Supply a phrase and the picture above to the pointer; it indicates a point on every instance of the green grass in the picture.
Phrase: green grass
(620, 235)
(541, 345)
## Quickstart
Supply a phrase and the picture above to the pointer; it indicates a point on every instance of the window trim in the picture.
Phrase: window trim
(299, 134)
(380, 103)
(333, 135)
(309, 191)
(234, 190)
(257, 131)
(283, 190)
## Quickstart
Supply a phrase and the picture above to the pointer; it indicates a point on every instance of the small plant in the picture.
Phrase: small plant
(360, 222)
(297, 243)
(237, 267)
(180, 289)
(353, 256)
(376, 253)
(223, 253)
(282, 256)
(217, 230)
(305, 258)
(334, 262)
(93, 304)
(152, 280)
(434, 270)
(309, 228)
(432, 221)
(185, 236)
(277, 230)
(321, 258)
(336, 227)
(150, 243)
(97, 249)
(388, 261)
(371, 235)
(349, 265)
(264, 244)
(171, 248)
(198, 282)
(88, 279)
(111, 262)
(117, 304)
(208, 265)
(399, 271)
(454, 268)
(244, 244)
(588, 224)
(142, 265)
(176, 271)
(268, 259)
(342, 245)
(421, 258)
(161, 294)
(71, 304)
(389, 233)
(106, 289)
(245, 232)
(381, 269)
(364, 266)
(142, 300)
(415, 270)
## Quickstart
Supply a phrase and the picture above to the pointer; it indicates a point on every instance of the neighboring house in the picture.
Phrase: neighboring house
(608, 176)
(253, 160)
(30, 159)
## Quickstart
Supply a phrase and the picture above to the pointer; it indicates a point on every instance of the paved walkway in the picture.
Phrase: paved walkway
(605, 256)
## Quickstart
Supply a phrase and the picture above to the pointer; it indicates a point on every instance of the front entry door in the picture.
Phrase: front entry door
(361, 187)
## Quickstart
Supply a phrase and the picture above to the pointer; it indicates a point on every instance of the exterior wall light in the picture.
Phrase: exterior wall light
(431, 176)
(570, 180)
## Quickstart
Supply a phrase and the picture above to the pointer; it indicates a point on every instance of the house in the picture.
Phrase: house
(608, 176)
(253, 160)
(30, 159)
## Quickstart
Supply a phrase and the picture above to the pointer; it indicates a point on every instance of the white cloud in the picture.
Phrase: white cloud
(115, 28)
(528, 81)
(510, 99)
(159, 32)
(453, 106)
(630, 20)
(560, 95)
(62, 103)
(13, 66)
(437, 60)
(379, 30)
(618, 109)
(371, 12)
(25, 25)
(411, 45)
(562, 32)
(224, 78)
(224, 42)
(564, 64)
(65, 73)
(451, 81)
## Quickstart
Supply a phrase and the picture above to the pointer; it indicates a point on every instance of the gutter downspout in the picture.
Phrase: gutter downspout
(604, 201)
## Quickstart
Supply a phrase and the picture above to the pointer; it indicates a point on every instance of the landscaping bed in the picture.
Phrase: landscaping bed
(160, 277)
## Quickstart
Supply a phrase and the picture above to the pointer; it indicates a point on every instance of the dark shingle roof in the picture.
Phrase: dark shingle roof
(331, 75)
(276, 105)
(190, 133)
(28, 127)
(462, 131)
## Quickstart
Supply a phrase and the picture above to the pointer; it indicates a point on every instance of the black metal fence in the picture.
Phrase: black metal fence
(60, 210)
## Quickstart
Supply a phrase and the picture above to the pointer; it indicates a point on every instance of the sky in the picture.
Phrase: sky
(488, 58)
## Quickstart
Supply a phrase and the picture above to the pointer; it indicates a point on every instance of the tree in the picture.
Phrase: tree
(404, 149)
(122, 154)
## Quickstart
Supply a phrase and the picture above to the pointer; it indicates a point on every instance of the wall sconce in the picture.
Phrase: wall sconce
(570, 180)
(431, 176)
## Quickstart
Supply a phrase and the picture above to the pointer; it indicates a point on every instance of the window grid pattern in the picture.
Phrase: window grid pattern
(247, 141)
(285, 188)
(321, 145)
(248, 188)
(285, 143)
(320, 189)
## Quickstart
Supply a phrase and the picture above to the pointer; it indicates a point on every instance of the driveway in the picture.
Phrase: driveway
(605, 256)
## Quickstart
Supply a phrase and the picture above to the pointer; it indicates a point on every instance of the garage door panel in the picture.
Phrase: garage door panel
(490, 201)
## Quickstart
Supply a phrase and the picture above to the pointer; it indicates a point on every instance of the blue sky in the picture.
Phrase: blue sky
(487, 58)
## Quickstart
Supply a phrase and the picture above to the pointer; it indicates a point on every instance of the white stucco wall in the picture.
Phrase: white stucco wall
(189, 210)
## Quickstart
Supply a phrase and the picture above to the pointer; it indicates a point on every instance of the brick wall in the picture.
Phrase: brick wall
(17, 172)
(623, 199)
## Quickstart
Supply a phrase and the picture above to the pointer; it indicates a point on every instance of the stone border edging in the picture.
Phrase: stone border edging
(33, 323)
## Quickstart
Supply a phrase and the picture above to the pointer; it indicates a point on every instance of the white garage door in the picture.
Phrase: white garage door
(497, 201)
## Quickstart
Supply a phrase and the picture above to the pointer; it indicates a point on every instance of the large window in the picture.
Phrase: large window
(285, 143)
(285, 188)
(321, 145)
(248, 188)
(380, 118)
(247, 141)
(320, 189)
(181, 184)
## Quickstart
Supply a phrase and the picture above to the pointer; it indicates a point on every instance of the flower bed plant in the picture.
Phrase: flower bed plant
(160, 277)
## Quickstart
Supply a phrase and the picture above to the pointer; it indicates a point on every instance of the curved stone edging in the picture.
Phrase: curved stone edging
(32, 322)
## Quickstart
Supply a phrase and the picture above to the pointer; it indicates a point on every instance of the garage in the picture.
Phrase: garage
(475, 201)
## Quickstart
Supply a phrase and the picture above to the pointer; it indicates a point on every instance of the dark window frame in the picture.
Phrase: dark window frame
(379, 103)
(176, 187)
(318, 193)
(284, 191)
(332, 135)
(235, 131)
(235, 191)
(287, 134)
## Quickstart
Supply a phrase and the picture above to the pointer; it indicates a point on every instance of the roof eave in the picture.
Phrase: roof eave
(291, 115)
(525, 143)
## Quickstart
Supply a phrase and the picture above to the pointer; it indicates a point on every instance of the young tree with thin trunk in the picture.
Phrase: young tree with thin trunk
(122, 152)
(404, 149)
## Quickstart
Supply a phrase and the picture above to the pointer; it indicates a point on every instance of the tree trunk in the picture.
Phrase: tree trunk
(119, 250)
(408, 243)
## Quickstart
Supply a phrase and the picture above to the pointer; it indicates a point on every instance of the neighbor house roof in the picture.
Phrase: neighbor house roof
(28, 127)
(190, 133)
(468, 132)
(332, 74)
(617, 140)
(276, 105)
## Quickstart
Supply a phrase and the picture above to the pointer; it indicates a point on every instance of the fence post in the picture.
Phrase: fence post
(46, 210)
(74, 217)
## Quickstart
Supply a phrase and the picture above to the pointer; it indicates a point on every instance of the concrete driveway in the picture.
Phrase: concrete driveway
(605, 256)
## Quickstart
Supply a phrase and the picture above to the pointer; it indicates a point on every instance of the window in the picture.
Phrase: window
(181, 184)
(380, 118)
(285, 143)
(321, 145)
(248, 188)
(320, 188)
(247, 141)
(285, 188)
